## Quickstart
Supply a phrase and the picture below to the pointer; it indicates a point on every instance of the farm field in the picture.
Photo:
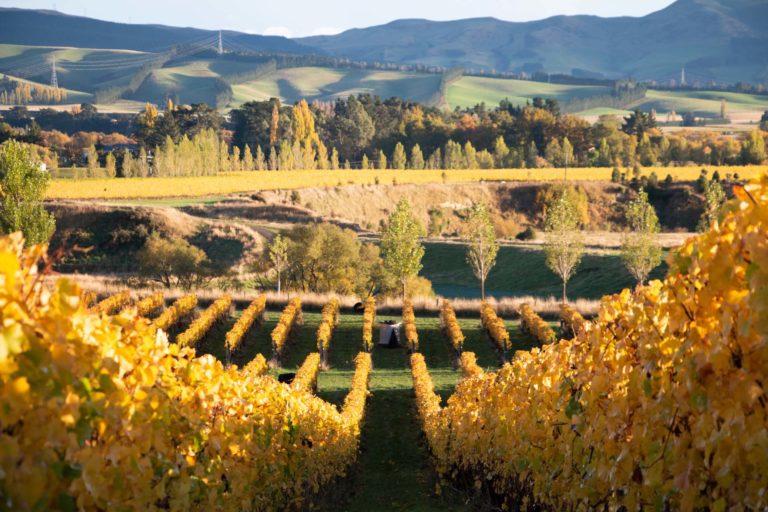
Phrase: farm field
(231, 183)
(471, 90)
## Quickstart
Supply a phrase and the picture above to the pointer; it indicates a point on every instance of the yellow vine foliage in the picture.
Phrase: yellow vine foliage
(329, 319)
(495, 327)
(178, 310)
(660, 404)
(451, 326)
(533, 325)
(102, 413)
(203, 323)
(572, 321)
(469, 366)
(113, 303)
(353, 409)
(234, 337)
(89, 297)
(306, 376)
(369, 317)
(148, 304)
(409, 326)
(285, 323)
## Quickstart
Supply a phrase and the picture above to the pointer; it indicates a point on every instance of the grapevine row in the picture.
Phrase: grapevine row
(234, 337)
(495, 328)
(369, 317)
(101, 414)
(427, 401)
(288, 318)
(329, 319)
(571, 321)
(660, 404)
(353, 409)
(257, 367)
(203, 323)
(149, 304)
(534, 326)
(113, 303)
(306, 376)
(468, 364)
(177, 311)
(451, 326)
(409, 326)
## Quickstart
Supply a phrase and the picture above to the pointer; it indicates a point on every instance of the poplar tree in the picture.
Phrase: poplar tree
(639, 250)
(335, 159)
(563, 245)
(482, 245)
(248, 164)
(417, 158)
(110, 165)
(278, 255)
(400, 245)
(398, 157)
(500, 152)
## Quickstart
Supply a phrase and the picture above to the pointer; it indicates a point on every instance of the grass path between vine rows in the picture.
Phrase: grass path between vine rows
(394, 471)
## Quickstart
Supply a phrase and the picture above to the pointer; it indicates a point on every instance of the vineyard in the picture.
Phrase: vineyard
(658, 403)
(234, 182)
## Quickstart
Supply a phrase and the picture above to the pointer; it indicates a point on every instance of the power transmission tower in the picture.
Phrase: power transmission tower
(54, 78)
(221, 44)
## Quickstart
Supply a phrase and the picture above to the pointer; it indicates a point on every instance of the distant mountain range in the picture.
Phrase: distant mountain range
(720, 40)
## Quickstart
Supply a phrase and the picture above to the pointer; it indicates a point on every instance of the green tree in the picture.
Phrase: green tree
(278, 255)
(500, 152)
(714, 197)
(248, 163)
(398, 157)
(640, 251)
(110, 165)
(454, 156)
(470, 156)
(400, 244)
(753, 149)
(22, 190)
(335, 159)
(128, 165)
(638, 123)
(563, 245)
(482, 246)
(381, 162)
(173, 261)
(417, 158)
(531, 156)
(567, 152)
(92, 161)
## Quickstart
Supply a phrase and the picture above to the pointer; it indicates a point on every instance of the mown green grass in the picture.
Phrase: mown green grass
(394, 471)
(523, 271)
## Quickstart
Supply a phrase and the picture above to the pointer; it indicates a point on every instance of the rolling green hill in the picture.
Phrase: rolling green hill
(201, 78)
(471, 90)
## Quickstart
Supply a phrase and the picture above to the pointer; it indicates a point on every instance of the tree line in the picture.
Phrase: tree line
(365, 131)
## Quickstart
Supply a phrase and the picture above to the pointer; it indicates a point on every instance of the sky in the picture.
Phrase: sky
(298, 18)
